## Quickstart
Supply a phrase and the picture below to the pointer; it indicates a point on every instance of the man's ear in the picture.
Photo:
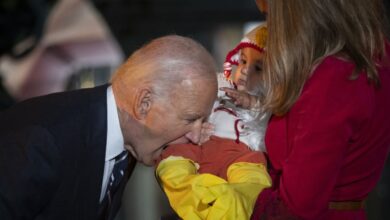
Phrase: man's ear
(143, 103)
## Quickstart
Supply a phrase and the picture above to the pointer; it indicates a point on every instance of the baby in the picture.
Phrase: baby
(229, 169)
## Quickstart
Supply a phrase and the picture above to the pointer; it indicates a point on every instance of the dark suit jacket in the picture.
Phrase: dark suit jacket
(52, 151)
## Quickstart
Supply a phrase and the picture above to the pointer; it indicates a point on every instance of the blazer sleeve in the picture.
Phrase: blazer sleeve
(29, 171)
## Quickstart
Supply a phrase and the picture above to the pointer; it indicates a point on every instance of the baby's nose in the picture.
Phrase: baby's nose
(244, 74)
(244, 70)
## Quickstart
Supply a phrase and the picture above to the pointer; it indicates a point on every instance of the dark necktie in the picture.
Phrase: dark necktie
(118, 171)
(121, 163)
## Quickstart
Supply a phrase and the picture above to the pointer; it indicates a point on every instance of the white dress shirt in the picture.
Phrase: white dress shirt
(114, 143)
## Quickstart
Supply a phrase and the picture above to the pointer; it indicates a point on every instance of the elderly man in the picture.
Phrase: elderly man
(64, 156)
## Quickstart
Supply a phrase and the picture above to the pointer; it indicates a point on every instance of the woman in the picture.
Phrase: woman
(328, 78)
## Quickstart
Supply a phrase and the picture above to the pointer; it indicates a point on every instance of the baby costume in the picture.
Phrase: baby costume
(221, 178)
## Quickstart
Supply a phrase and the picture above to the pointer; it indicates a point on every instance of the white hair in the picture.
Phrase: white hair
(165, 63)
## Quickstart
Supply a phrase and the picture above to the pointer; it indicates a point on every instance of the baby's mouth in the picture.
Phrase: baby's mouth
(241, 82)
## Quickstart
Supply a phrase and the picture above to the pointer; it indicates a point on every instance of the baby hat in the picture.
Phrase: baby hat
(255, 39)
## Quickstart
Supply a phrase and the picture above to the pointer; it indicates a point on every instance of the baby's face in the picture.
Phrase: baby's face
(248, 74)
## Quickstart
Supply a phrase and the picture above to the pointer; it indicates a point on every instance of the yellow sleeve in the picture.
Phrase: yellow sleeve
(187, 191)
(206, 196)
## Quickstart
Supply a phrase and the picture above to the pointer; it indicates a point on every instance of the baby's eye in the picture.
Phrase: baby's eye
(242, 61)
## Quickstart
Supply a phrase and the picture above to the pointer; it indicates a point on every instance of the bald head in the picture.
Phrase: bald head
(164, 92)
(163, 64)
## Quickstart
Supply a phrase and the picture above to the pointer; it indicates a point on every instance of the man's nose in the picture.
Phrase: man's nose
(195, 133)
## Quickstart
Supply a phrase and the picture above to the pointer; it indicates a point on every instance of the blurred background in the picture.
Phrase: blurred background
(50, 46)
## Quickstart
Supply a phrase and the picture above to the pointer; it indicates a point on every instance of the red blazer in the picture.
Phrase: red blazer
(331, 145)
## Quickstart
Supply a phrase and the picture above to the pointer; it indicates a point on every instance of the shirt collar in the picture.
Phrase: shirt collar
(115, 142)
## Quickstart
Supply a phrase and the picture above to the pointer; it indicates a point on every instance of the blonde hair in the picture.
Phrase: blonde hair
(162, 64)
(303, 32)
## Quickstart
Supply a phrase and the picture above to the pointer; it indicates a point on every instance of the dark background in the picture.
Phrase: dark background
(136, 21)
